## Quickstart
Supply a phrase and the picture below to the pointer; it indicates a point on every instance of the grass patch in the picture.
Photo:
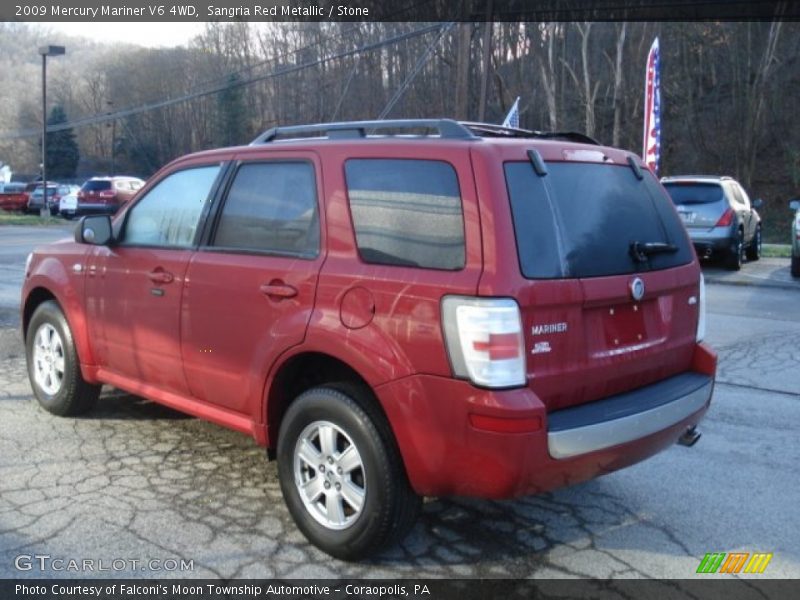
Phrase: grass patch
(776, 250)
(34, 220)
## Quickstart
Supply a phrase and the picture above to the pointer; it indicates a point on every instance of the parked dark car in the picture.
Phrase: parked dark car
(718, 215)
(474, 311)
(36, 198)
(106, 195)
(55, 192)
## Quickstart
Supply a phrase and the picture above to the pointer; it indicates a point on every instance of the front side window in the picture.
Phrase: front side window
(271, 207)
(168, 215)
(407, 212)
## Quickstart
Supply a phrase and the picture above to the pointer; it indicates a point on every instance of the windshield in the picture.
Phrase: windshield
(582, 220)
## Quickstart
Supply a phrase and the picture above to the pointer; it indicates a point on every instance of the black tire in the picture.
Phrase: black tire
(73, 395)
(390, 507)
(754, 249)
(795, 266)
(735, 255)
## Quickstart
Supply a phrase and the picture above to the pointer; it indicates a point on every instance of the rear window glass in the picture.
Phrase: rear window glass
(407, 212)
(581, 219)
(695, 193)
(96, 186)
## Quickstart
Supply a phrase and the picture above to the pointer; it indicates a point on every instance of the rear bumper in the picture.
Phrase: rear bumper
(445, 453)
(716, 239)
(627, 417)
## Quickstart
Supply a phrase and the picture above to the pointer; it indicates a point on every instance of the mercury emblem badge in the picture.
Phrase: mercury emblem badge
(637, 288)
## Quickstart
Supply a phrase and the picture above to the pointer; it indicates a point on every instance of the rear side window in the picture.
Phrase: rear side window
(271, 207)
(581, 219)
(694, 193)
(406, 212)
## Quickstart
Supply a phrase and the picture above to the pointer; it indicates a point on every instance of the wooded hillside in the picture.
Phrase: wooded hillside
(730, 91)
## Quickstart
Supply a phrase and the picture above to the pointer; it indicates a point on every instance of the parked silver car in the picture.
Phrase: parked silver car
(718, 215)
(55, 191)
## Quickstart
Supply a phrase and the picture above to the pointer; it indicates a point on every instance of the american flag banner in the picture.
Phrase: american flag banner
(652, 110)
(512, 118)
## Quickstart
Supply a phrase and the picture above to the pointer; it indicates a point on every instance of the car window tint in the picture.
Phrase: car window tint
(741, 195)
(271, 207)
(694, 193)
(169, 213)
(407, 212)
(581, 219)
(94, 185)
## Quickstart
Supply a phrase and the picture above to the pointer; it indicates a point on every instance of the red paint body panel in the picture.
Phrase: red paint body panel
(133, 321)
(13, 201)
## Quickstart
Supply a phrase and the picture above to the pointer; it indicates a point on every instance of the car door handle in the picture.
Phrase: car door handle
(278, 290)
(159, 275)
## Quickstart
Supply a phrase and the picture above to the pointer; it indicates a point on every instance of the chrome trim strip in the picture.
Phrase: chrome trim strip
(582, 440)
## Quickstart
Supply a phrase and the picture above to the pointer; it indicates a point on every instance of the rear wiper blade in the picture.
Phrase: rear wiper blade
(641, 251)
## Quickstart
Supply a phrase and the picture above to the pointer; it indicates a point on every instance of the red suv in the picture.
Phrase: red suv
(467, 310)
(106, 194)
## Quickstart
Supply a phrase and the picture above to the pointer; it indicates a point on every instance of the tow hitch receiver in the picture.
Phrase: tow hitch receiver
(690, 437)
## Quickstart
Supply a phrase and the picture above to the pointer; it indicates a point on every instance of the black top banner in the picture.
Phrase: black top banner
(402, 10)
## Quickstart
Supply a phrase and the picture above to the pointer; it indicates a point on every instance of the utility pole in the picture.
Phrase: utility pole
(487, 59)
(46, 51)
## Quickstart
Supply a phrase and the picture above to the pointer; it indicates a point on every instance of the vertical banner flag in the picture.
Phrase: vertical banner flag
(512, 118)
(652, 110)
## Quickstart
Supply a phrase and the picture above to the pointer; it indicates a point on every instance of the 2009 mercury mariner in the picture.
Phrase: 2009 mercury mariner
(394, 309)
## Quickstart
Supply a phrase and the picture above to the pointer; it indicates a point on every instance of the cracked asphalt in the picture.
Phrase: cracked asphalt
(134, 481)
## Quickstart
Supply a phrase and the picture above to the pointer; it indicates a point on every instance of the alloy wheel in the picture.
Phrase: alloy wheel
(329, 475)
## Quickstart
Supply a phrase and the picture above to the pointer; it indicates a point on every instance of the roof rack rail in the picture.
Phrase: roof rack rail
(490, 129)
(447, 128)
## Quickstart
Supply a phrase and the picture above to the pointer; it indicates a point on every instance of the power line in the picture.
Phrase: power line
(420, 63)
(108, 117)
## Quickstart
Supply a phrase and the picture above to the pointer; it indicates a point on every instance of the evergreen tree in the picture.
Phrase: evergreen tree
(231, 114)
(62, 149)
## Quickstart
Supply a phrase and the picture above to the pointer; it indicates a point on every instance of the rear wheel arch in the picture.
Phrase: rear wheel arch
(314, 369)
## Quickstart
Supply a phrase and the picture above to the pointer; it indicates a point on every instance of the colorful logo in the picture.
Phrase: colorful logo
(734, 562)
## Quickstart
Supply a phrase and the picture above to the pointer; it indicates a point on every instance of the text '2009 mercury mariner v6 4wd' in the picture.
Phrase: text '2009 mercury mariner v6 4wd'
(442, 309)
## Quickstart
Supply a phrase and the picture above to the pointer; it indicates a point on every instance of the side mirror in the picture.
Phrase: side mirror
(95, 230)
(758, 203)
(795, 204)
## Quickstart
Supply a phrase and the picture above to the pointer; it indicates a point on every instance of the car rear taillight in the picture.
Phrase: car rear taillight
(484, 340)
(701, 311)
(726, 219)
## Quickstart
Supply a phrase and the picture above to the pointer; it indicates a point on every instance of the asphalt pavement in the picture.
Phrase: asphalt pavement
(134, 481)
